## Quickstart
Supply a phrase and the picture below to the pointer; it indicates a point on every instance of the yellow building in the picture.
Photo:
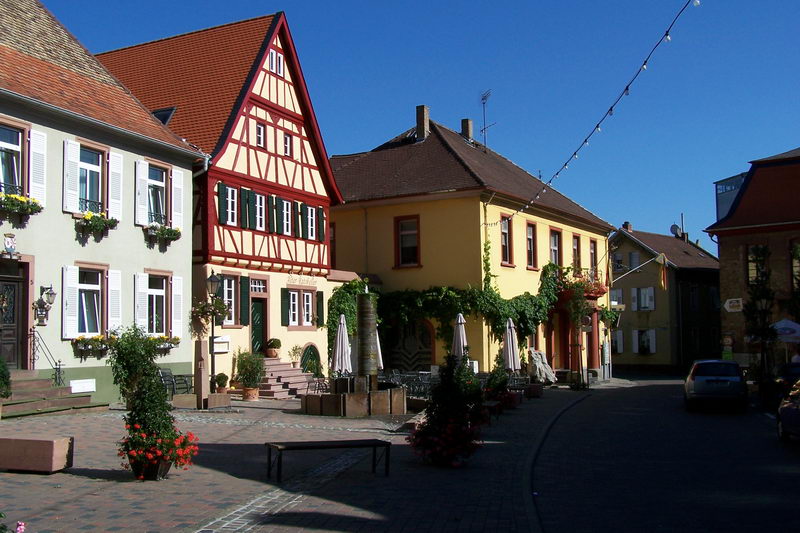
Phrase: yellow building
(418, 210)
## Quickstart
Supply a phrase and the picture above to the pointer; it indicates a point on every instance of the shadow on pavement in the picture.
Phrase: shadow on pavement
(245, 461)
(116, 474)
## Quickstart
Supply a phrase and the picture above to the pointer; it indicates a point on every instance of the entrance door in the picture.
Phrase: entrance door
(11, 335)
(258, 328)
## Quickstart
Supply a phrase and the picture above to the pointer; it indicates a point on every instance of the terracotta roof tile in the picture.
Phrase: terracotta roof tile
(200, 73)
(443, 161)
(683, 254)
(41, 60)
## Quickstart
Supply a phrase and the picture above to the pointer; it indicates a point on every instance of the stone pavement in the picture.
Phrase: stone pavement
(227, 489)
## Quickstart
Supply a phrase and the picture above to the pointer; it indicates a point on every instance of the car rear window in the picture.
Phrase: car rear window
(716, 369)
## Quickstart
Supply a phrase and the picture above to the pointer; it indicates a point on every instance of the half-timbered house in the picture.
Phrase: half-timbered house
(262, 204)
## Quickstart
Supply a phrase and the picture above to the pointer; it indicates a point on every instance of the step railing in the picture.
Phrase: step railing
(38, 346)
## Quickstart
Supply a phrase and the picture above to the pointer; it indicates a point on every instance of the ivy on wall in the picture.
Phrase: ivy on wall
(343, 302)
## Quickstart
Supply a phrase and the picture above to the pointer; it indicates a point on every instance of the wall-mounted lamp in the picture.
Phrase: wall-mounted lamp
(41, 307)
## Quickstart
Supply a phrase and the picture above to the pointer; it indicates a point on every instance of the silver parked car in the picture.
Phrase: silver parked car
(715, 380)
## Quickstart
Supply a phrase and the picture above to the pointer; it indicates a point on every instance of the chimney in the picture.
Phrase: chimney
(423, 122)
(627, 226)
(466, 129)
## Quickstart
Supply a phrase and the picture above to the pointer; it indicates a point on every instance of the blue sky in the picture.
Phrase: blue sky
(722, 92)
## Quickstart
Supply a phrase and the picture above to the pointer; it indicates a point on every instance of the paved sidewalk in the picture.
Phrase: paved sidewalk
(227, 489)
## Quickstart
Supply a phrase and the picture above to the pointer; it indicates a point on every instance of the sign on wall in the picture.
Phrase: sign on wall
(733, 305)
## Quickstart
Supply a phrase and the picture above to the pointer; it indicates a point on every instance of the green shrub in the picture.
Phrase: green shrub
(273, 344)
(221, 379)
(497, 382)
(132, 356)
(250, 369)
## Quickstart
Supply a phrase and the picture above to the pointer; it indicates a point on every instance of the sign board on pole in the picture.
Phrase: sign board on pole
(733, 305)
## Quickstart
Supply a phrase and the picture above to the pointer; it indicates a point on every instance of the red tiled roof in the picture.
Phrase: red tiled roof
(682, 254)
(443, 161)
(201, 74)
(41, 60)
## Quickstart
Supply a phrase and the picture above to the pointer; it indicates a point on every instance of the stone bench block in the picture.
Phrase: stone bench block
(331, 404)
(397, 401)
(356, 404)
(379, 402)
(36, 455)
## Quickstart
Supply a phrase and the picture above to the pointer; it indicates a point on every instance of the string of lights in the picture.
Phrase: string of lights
(665, 38)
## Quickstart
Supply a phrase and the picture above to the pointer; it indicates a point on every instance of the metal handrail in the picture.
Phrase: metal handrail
(38, 345)
(84, 204)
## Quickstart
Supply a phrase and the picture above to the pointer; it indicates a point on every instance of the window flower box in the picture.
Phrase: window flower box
(92, 222)
(94, 346)
(165, 233)
(166, 344)
(19, 205)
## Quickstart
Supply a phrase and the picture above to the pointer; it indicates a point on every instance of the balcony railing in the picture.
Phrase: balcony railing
(10, 188)
(157, 218)
(85, 205)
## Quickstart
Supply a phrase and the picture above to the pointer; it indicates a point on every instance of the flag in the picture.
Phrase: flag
(663, 260)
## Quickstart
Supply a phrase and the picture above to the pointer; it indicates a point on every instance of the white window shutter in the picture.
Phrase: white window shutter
(114, 299)
(635, 340)
(634, 299)
(72, 154)
(177, 198)
(115, 185)
(140, 312)
(651, 298)
(37, 184)
(69, 302)
(142, 171)
(177, 306)
(652, 334)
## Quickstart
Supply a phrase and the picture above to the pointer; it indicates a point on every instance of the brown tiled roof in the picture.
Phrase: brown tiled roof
(201, 74)
(41, 60)
(682, 254)
(791, 154)
(444, 161)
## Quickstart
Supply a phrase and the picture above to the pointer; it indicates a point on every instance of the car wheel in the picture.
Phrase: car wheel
(782, 435)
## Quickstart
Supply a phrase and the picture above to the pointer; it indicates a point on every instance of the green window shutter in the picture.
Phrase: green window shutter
(244, 196)
(304, 220)
(284, 307)
(222, 202)
(271, 213)
(320, 309)
(251, 210)
(244, 300)
(321, 224)
(279, 215)
(295, 219)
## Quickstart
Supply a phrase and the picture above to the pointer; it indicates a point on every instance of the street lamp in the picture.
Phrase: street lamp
(763, 306)
(212, 286)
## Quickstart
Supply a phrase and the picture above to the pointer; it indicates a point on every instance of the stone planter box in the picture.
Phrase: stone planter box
(397, 401)
(36, 455)
(355, 404)
(332, 405)
(379, 403)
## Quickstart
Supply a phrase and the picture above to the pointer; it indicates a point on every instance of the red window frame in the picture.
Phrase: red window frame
(530, 246)
(507, 248)
(560, 246)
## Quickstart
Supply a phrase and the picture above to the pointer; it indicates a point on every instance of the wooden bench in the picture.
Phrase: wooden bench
(36, 454)
(281, 447)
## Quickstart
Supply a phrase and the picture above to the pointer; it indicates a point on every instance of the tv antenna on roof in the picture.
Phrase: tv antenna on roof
(485, 98)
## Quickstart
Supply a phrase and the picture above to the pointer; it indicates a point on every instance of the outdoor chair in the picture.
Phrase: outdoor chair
(174, 384)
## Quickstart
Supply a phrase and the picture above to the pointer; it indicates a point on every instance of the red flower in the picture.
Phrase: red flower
(137, 426)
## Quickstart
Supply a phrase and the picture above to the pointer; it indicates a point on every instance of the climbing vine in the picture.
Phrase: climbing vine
(343, 302)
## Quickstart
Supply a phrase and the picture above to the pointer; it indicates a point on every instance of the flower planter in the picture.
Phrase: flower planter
(250, 394)
(222, 390)
(272, 352)
(295, 364)
(147, 471)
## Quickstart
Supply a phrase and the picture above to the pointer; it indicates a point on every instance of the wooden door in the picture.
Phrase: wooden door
(11, 331)
(258, 327)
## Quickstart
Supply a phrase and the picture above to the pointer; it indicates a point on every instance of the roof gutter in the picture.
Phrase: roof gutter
(712, 230)
(94, 122)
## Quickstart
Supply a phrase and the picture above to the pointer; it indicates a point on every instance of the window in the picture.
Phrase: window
(89, 302)
(694, 297)
(287, 145)
(644, 341)
(231, 202)
(258, 286)
(229, 298)
(617, 262)
(795, 266)
(260, 134)
(617, 297)
(260, 203)
(311, 222)
(593, 259)
(633, 259)
(276, 62)
(643, 299)
(617, 344)
(293, 304)
(157, 195)
(90, 184)
(287, 217)
(530, 242)
(506, 252)
(406, 236)
(555, 247)
(576, 253)
(156, 305)
(756, 262)
(279, 65)
(308, 313)
(11, 160)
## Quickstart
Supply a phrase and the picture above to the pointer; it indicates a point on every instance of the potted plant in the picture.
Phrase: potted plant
(251, 372)
(19, 205)
(294, 355)
(92, 222)
(222, 383)
(5, 383)
(272, 347)
(153, 443)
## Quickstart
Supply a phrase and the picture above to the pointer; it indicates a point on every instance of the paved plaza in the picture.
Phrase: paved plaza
(227, 489)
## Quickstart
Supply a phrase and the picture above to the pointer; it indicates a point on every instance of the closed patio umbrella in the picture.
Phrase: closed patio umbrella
(341, 350)
(510, 349)
(380, 356)
(459, 338)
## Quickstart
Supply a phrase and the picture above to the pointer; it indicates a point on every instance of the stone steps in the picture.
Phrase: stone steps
(282, 380)
(40, 404)
(31, 396)
(77, 409)
(35, 394)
